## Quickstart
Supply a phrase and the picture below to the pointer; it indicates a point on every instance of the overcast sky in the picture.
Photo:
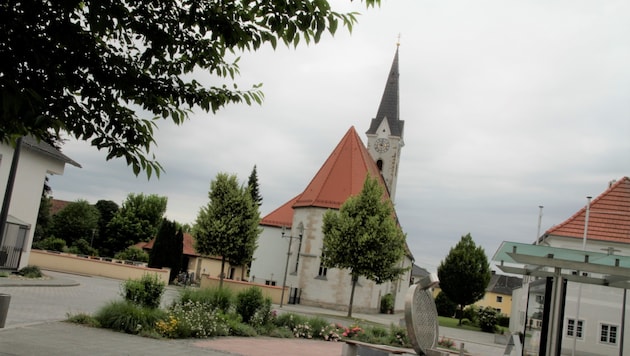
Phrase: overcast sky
(508, 105)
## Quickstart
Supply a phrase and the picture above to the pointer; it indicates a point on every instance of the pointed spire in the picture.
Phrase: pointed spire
(390, 102)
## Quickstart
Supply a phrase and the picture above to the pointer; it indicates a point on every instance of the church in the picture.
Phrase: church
(290, 245)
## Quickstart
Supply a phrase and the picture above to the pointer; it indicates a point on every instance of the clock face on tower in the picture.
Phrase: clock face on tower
(381, 145)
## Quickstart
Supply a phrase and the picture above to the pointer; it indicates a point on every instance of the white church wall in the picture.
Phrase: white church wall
(270, 257)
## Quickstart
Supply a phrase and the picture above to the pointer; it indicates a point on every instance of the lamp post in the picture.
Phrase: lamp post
(286, 267)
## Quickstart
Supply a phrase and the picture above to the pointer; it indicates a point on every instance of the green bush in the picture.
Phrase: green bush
(398, 336)
(132, 254)
(82, 247)
(503, 320)
(30, 272)
(445, 307)
(192, 319)
(387, 303)
(128, 317)
(487, 319)
(282, 333)
(471, 313)
(374, 335)
(239, 329)
(221, 299)
(289, 320)
(145, 292)
(83, 319)
(51, 244)
(319, 325)
(249, 301)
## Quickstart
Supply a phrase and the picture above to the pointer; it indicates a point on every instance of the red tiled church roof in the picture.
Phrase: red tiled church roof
(283, 216)
(341, 176)
(609, 217)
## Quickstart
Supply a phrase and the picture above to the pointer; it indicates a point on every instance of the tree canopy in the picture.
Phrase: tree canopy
(106, 71)
(137, 220)
(228, 225)
(364, 238)
(78, 220)
(465, 273)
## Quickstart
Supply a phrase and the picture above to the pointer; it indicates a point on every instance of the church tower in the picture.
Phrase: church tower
(385, 136)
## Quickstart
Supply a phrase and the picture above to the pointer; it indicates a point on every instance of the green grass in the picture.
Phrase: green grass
(452, 323)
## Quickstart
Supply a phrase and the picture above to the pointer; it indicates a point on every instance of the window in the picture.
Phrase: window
(571, 328)
(270, 283)
(608, 334)
(322, 269)
(499, 299)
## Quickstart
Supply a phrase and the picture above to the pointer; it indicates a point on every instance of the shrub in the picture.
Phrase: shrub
(503, 320)
(30, 272)
(192, 319)
(487, 319)
(82, 247)
(239, 329)
(374, 335)
(132, 254)
(398, 336)
(444, 306)
(387, 303)
(281, 333)
(318, 324)
(145, 292)
(51, 244)
(249, 301)
(289, 320)
(471, 313)
(83, 319)
(214, 298)
(446, 343)
(332, 332)
(128, 317)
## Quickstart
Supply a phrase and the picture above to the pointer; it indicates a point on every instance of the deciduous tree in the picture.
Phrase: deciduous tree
(105, 71)
(465, 273)
(364, 238)
(137, 220)
(228, 225)
(78, 220)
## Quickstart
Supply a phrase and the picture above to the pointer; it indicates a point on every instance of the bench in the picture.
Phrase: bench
(358, 348)
(355, 348)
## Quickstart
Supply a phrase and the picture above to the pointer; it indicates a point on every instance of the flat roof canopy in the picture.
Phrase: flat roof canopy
(542, 261)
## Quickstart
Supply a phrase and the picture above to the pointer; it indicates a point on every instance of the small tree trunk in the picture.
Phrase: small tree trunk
(461, 314)
(222, 272)
(354, 284)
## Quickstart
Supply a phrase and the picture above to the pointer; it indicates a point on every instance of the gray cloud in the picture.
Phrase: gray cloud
(508, 106)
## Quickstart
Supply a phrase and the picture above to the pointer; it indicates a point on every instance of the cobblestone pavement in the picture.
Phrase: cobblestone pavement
(33, 327)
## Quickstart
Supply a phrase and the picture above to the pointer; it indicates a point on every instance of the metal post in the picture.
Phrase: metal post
(579, 296)
(286, 268)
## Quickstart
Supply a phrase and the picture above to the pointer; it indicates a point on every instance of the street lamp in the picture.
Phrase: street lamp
(286, 267)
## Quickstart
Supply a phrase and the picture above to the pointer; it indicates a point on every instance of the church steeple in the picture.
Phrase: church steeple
(390, 103)
(385, 135)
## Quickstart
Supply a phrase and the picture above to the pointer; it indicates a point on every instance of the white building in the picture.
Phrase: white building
(36, 160)
(590, 254)
(299, 220)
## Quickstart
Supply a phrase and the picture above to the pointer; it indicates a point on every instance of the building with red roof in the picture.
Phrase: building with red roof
(594, 306)
(292, 239)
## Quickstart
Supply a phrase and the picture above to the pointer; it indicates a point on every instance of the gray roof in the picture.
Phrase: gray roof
(389, 107)
(42, 147)
(502, 284)
(417, 271)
